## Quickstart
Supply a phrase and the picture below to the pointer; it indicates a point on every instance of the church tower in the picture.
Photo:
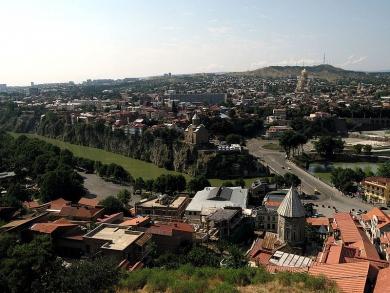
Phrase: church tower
(195, 120)
(291, 219)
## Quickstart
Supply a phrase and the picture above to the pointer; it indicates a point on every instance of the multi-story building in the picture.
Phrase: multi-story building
(162, 207)
(377, 189)
(274, 132)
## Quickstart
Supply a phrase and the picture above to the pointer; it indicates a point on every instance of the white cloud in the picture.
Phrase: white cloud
(352, 60)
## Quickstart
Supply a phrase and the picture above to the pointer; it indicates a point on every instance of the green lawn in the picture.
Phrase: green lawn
(136, 168)
(324, 176)
(272, 146)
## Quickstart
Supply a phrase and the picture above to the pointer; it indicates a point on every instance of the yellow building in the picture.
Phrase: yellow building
(377, 189)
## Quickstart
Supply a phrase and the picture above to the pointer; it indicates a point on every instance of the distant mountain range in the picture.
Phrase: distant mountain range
(323, 71)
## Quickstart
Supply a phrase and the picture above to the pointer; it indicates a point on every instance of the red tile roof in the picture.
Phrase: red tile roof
(321, 221)
(348, 230)
(350, 277)
(58, 204)
(382, 284)
(138, 221)
(383, 218)
(168, 228)
(366, 248)
(49, 228)
(80, 212)
(92, 202)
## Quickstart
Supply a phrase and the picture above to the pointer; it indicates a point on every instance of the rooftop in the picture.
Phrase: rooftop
(291, 205)
(161, 202)
(285, 259)
(118, 238)
(350, 277)
(219, 197)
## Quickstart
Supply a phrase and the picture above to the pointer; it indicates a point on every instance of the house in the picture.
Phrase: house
(382, 284)
(377, 189)
(119, 242)
(321, 225)
(214, 198)
(225, 221)
(259, 189)
(20, 226)
(89, 202)
(274, 132)
(66, 236)
(136, 222)
(162, 207)
(169, 236)
(81, 213)
(375, 223)
(355, 277)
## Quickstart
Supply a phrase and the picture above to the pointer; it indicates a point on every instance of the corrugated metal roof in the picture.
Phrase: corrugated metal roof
(291, 206)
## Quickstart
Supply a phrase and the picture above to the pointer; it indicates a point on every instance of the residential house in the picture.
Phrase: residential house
(169, 236)
(163, 207)
(119, 242)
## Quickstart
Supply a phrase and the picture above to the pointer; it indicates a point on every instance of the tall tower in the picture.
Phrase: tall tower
(195, 120)
(291, 219)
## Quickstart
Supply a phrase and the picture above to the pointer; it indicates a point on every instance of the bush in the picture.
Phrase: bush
(224, 288)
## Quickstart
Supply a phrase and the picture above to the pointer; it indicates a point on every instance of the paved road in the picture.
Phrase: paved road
(329, 196)
(100, 189)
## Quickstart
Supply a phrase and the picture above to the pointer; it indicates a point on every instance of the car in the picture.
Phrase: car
(316, 191)
(288, 168)
(383, 208)
(282, 167)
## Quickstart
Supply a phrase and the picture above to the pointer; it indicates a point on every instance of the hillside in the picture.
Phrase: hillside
(324, 71)
(188, 279)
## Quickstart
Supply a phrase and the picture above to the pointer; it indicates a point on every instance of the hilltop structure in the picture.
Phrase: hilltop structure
(302, 84)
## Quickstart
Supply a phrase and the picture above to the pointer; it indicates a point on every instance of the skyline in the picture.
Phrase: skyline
(60, 41)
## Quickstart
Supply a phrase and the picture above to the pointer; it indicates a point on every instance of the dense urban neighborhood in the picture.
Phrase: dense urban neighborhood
(225, 182)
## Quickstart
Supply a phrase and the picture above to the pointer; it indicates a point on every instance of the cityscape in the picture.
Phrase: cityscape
(251, 176)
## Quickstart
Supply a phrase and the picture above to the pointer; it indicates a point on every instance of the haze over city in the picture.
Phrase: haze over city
(60, 41)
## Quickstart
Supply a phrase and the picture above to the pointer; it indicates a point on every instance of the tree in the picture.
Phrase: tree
(236, 258)
(124, 196)
(343, 179)
(62, 182)
(240, 182)
(149, 184)
(326, 146)
(227, 184)
(233, 138)
(278, 180)
(291, 179)
(384, 169)
(23, 265)
(197, 183)
(367, 149)
(139, 184)
(112, 205)
(357, 148)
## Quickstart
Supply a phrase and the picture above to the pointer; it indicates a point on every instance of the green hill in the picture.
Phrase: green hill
(324, 71)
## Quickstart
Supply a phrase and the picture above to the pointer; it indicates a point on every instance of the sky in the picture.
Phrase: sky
(74, 40)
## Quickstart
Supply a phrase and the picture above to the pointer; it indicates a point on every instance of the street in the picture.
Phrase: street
(328, 197)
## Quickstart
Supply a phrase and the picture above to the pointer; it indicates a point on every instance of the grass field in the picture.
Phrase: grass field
(272, 146)
(136, 168)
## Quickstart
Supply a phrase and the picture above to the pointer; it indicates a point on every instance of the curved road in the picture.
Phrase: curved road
(329, 196)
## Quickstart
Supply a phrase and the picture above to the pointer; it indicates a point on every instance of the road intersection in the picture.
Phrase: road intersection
(329, 199)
